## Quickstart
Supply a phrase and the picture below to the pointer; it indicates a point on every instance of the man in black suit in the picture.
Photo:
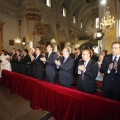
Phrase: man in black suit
(50, 66)
(23, 62)
(93, 56)
(17, 62)
(37, 64)
(87, 71)
(111, 69)
(65, 69)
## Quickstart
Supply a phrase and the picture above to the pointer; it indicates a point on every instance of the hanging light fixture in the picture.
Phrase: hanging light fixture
(53, 41)
(107, 22)
(17, 40)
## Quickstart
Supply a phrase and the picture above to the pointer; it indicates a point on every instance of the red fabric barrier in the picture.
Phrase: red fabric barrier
(64, 103)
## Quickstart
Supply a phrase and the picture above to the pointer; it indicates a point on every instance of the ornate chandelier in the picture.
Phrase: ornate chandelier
(107, 22)
(17, 41)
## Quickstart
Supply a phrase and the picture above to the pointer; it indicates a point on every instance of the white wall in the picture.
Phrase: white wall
(10, 31)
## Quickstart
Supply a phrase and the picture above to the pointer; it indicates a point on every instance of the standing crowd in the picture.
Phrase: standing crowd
(85, 65)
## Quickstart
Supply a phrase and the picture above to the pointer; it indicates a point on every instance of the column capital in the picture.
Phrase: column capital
(33, 14)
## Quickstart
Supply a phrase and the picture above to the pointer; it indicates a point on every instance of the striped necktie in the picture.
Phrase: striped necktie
(114, 61)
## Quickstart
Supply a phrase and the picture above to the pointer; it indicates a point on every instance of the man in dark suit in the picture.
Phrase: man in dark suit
(23, 62)
(93, 56)
(87, 70)
(66, 69)
(111, 69)
(17, 62)
(37, 64)
(50, 66)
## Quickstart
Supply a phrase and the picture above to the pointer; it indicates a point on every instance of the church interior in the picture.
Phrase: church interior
(24, 24)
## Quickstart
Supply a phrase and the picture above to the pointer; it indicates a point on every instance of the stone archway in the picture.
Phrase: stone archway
(1, 35)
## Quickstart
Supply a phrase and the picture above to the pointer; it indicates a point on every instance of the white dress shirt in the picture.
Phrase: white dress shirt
(108, 71)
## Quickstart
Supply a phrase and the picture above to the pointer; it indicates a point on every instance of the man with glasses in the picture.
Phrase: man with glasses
(65, 69)
(87, 72)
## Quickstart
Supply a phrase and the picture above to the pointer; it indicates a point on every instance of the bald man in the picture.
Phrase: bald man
(66, 69)
(87, 72)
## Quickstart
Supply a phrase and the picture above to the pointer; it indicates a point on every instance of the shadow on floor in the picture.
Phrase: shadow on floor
(14, 107)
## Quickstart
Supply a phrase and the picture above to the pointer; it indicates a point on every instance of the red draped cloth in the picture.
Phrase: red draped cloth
(64, 103)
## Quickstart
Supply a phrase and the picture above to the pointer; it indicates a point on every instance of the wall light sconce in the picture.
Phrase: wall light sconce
(24, 41)
(98, 35)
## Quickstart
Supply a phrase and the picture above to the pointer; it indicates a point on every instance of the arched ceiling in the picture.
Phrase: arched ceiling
(80, 8)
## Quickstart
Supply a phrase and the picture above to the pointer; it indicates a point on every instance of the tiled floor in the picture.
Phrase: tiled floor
(14, 107)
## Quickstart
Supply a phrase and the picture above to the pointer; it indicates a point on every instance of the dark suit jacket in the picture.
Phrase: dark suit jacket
(23, 64)
(30, 67)
(17, 64)
(89, 83)
(66, 71)
(112, 76)
(50, 66)
(94, 57)
(13, 58)
(12, 61)
(72, 55)
(38, 67)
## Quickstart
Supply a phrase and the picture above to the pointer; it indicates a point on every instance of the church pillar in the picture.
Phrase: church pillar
(57, 35)
(110, 38)
(102, 10)
(118, 21)
(32, 18)
(1, 35)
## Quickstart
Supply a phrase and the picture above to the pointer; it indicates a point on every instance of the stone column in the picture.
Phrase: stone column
(73, 47)
(118, 21)
(57, 34)
(1, 35)
(32, 17)
(102, 11)
(29, 38)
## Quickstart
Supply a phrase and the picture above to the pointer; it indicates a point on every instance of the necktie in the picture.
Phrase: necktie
(114, 61)
(82, 73)
(23, 57)
(36, 57)
(64, 60)
(48, 55)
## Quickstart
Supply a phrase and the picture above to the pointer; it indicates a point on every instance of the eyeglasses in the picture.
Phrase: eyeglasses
(64, 51)
(85, 54)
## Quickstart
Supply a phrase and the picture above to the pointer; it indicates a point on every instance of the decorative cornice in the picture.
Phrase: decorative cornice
(33, 14)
